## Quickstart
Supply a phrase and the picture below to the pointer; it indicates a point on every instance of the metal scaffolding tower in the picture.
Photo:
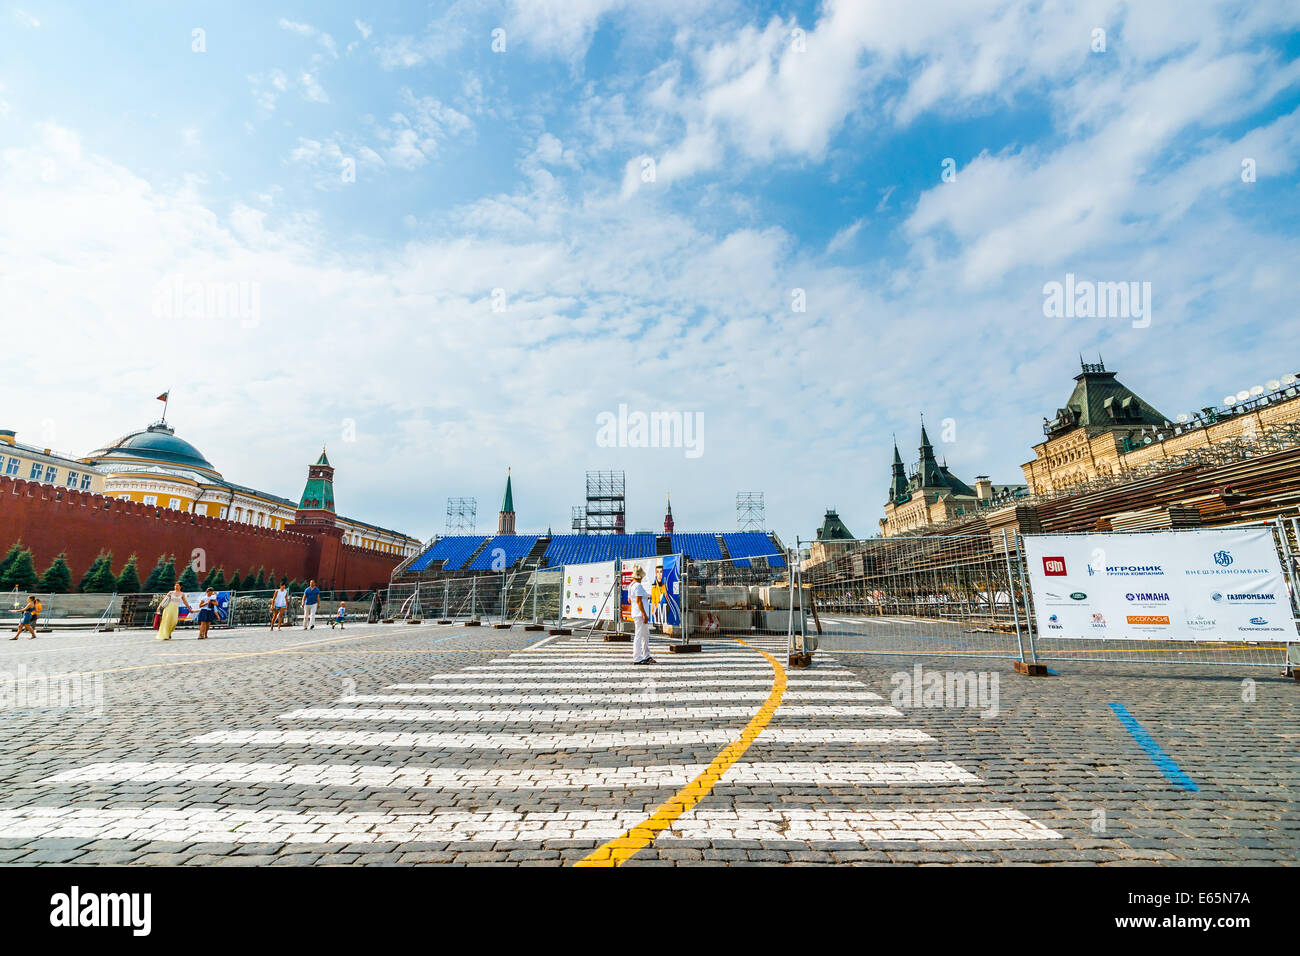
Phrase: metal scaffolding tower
(606, 502)
(579, 516)
(462, 515)
(751, 512)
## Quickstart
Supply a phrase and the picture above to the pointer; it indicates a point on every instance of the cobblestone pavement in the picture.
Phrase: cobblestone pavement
(447, 744)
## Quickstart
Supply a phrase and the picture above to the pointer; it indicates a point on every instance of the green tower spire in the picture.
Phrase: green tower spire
(318, 495)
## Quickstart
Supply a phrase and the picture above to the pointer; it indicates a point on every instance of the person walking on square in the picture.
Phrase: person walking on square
(31, 613)
(339, 616)
(207, 612)
(280, 606)
(170, 609)
(639, 598)
(310, 601)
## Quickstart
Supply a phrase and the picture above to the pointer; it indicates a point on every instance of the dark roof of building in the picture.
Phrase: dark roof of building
(158, 442)
(1100, 402)
(833, 528)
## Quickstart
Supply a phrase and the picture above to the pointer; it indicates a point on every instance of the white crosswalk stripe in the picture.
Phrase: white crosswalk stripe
(576, 683)
(250, 825)
(608, 740)
(404, 714)
(866, 773)
(645, 695)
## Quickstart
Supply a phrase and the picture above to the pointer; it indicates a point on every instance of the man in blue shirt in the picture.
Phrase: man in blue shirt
(310, 599)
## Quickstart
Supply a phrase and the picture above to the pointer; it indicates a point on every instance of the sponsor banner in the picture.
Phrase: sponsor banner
(1224, 584)
(587, 591)
(663, 581)
(194, 597)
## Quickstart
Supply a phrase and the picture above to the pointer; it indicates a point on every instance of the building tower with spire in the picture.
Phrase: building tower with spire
(898, 480)
(668, 517)
(506, 518)
(316, 507)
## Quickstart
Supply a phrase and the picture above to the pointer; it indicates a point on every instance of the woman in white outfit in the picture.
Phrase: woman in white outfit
(639, 598)
(280, 607)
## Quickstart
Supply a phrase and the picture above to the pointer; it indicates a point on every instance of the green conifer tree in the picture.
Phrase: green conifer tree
(57, 578)
(21, 574)
(104, 582)
(15, 550)
(154, 582)
(87, 583)
(189, 580)
(128, 582)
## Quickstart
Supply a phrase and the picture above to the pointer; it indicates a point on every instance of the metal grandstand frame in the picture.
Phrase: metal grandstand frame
(462, 515)
(606, 510)
(751, 511)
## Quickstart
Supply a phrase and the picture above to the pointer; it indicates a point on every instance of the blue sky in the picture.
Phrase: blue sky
(794, 147)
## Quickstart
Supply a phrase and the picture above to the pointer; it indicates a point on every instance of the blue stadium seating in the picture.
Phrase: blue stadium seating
(743, 545)
(590, 548)
(702, 547)
(455, 549)
(514, 546)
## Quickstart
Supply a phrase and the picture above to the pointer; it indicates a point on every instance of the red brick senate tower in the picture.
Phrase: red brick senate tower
(316, 507)
(316, 518)
(668, 517)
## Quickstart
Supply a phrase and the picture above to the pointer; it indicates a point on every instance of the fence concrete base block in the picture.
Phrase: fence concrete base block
(685, 648)
(473, 623)
(534, 627)
(800, 659)
(619, 638)
(498, 627)
(415, 620)
(1031, 670)
(560, 631)
(389, 620)
(445, 620)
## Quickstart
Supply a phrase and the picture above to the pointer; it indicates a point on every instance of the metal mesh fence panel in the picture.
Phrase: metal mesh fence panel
(753, 601)
(955, 596)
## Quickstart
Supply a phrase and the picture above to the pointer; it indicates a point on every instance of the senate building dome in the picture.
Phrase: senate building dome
(157, 445)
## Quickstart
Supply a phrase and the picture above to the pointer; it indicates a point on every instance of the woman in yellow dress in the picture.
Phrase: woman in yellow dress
(169, 610)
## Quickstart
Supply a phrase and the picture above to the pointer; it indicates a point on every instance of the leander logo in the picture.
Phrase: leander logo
(1222, 558)
(1054, 567)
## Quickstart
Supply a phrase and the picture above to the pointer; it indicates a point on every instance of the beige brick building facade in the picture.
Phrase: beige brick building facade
(1106, 430)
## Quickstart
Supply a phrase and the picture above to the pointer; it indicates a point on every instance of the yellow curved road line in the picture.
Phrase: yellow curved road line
(621, 849)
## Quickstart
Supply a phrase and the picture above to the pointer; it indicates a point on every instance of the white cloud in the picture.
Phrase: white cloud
(363, 28)
(26, 19)
(844, 238)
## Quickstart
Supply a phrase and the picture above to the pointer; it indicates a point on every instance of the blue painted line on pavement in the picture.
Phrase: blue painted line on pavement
(1164, 763)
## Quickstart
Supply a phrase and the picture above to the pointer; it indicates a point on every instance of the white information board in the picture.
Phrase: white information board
(587, 591)
(1224, 584)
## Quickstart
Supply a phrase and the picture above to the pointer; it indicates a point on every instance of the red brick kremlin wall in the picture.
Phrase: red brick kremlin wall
(50, 520)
